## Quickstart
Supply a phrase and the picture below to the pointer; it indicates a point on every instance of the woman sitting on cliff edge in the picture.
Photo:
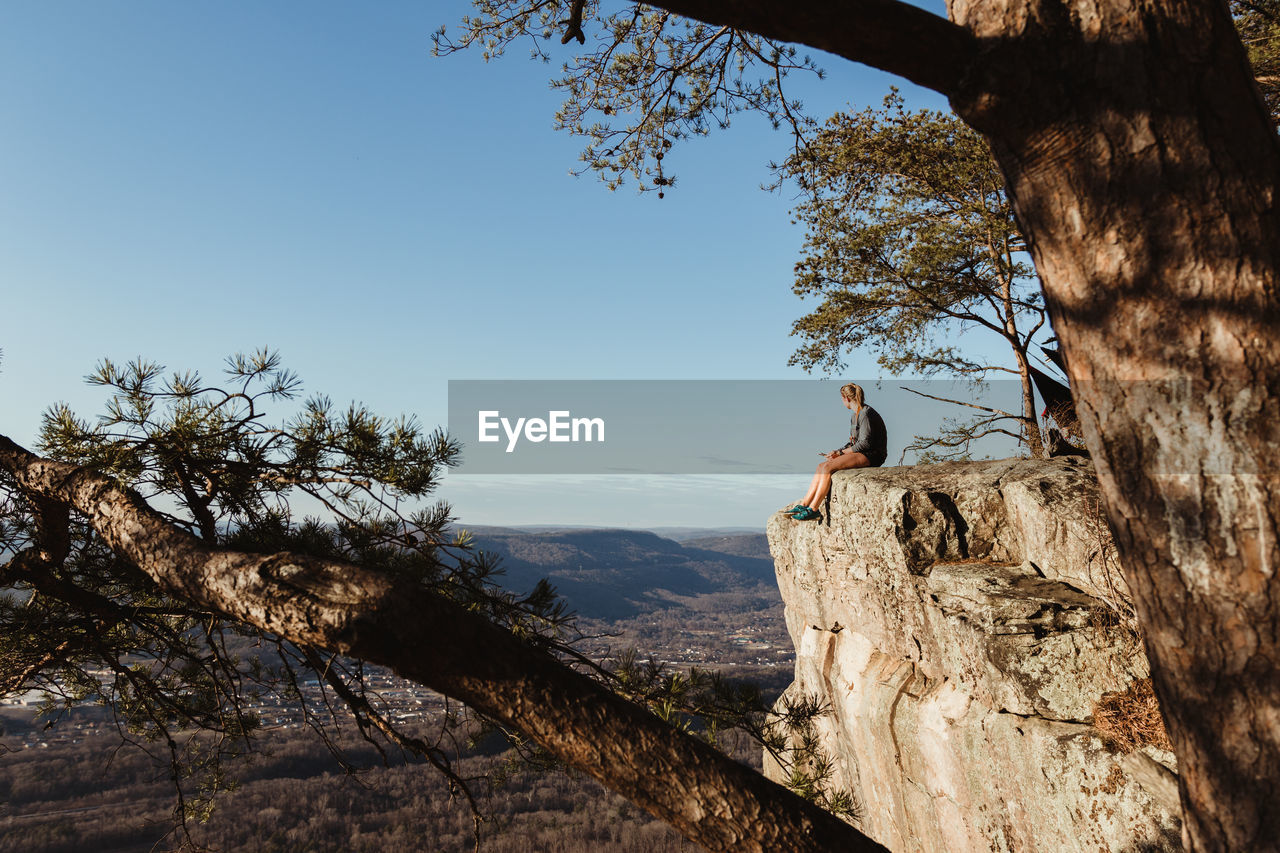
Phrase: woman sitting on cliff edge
(867, 447)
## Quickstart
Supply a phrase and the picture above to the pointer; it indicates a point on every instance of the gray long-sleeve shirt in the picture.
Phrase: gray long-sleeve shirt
(867, 434)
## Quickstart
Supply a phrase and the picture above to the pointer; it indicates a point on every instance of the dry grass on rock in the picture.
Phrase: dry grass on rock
(1131, 718)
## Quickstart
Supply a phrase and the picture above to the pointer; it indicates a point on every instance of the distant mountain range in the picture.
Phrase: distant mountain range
(615, 574)
(679, 534)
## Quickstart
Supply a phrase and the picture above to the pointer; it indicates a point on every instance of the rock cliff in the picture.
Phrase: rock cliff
(954, 619)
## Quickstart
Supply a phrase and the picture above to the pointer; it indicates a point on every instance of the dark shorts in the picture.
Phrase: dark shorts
(874, 461)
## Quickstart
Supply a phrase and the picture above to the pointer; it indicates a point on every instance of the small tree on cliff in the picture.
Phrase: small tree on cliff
(1143, 166)
(910, 244)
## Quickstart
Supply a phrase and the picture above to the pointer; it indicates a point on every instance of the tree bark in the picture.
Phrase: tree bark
(713, 800)
(1144, 171)
(1035, 441)
(887, 34)
(1031, 423)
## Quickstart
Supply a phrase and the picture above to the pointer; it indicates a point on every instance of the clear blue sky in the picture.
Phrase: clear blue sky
(186, 180)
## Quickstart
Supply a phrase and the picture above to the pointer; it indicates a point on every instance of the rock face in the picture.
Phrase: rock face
(953, 618)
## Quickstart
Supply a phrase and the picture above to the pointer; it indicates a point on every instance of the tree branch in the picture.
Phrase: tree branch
(422, 636)
(999, 412)
(886, 34)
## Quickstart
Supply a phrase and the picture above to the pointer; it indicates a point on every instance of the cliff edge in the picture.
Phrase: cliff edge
(955, 620)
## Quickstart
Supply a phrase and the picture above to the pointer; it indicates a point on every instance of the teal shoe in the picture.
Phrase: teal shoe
(793, 510)
(806, 514)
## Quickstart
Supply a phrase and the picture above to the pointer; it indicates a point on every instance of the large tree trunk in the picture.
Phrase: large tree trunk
(1144, 171)
(712, 799)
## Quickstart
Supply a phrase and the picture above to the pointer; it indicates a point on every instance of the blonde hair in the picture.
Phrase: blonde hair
(854, 392)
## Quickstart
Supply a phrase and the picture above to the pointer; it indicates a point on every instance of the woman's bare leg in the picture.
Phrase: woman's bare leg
(813, 486)
(822, 480)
